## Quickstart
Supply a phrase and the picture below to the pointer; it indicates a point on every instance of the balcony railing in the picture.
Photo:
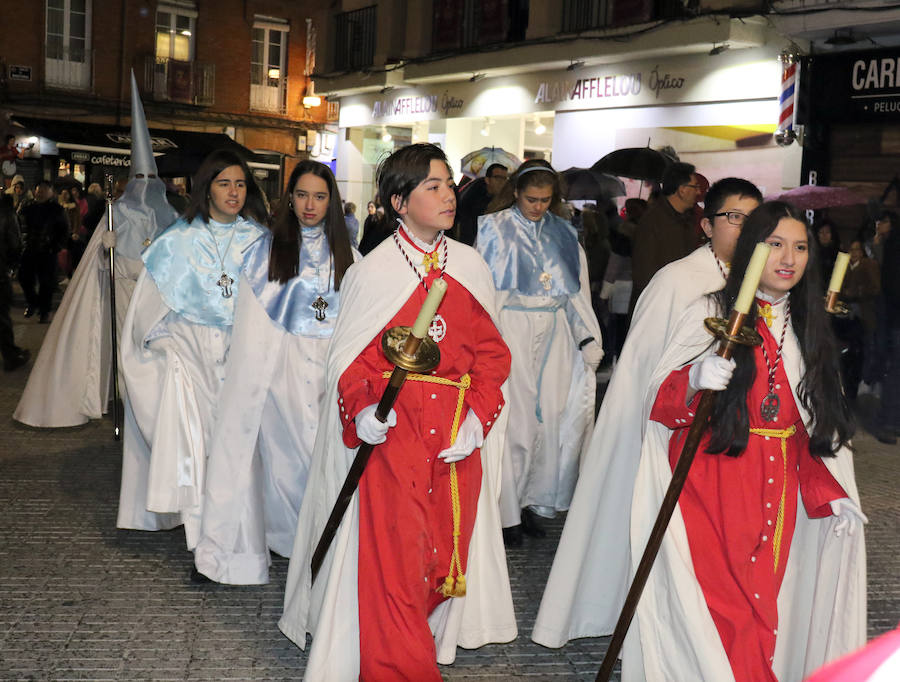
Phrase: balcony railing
(68, 68)
(172, 80)
(584, 15)
(269, 95)
(355, 39)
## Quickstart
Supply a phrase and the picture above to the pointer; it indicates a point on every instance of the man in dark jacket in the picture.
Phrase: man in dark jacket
(665, 232)
(10, 243)
(474, 199)
(46, 230)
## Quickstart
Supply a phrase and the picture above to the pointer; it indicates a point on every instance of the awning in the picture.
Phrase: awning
(183, 149)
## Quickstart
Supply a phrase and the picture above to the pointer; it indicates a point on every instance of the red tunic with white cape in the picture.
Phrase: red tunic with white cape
(373, 292)
(822, 597)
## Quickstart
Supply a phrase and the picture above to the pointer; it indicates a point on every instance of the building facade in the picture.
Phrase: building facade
(210, 74)
(568, 81)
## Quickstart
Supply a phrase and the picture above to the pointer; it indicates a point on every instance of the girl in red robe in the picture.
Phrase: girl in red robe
(740, 500)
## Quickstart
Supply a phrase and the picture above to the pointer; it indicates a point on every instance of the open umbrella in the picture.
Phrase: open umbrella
(639, 163)
(475, 164)
(584, 183)
(814, 197)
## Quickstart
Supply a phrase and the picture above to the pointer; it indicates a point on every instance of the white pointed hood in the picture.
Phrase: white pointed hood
(142, 161)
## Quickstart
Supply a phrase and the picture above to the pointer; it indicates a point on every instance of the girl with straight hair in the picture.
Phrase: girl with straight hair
(767, 536)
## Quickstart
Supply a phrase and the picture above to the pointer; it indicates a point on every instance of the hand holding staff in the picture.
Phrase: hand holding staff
(405, 360)
(730, 334)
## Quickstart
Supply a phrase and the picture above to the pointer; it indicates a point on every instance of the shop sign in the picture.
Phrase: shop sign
(111, 160)
(158, 143)
(80, 157)
(861, 86)
(684, 80)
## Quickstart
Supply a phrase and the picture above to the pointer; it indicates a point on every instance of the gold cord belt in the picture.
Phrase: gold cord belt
(783, 435)
(454, 585)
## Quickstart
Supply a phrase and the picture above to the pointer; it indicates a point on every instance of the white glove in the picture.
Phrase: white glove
(369, 429)
(711, 373)
(109, 239)
(469, 436)
(850, 516)
(592, 354)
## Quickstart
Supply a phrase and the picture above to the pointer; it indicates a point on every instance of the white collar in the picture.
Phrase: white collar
(425, 246)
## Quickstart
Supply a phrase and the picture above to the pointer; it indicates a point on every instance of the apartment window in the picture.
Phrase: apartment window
(354, 46)
(175, 31)
(268, 64)
(68, 53)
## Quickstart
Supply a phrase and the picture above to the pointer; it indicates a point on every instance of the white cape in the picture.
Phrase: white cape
(372, 291)
(592, 567)
(541, 458)
(259, 461)
(70, 381)
(174, 370)
(822, 601)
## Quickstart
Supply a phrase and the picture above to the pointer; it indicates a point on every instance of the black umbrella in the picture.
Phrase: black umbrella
(584, 183)
(639, 163)
(66, 182)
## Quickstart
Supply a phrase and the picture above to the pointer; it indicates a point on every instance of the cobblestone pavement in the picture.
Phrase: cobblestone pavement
(81, 600)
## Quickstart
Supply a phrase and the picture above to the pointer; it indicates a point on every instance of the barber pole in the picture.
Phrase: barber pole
(790, 72)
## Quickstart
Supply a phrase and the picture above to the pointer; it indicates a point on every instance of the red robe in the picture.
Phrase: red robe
(405, 517)
(731, 509)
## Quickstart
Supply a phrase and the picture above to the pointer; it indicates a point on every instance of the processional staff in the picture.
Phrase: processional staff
(730, 333)
(110, 227)
(409, 350)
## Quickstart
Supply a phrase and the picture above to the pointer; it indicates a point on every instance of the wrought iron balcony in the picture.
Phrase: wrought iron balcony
(355, 39)
(172, 80)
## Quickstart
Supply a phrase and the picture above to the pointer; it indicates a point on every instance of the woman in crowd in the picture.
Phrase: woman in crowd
(284, 318)
(175, 343)
(768, 532)
(552, 331)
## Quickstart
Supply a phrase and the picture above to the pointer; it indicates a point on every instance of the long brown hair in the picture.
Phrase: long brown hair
(217, 161)
(519, 180)
(284, 258)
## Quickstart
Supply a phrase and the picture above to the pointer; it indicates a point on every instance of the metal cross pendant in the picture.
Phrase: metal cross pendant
(319, 306)
(225, 283)
(768, 410)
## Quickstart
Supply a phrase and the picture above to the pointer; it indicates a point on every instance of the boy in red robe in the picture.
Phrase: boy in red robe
(415, 517)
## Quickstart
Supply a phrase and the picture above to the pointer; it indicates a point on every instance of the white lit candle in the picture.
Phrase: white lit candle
(751, 278)
(840, 269)
(429, 308)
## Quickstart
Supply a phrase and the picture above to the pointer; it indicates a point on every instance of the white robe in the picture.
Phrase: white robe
(822, 600)
(371, 293)
(592, 567)
(175, 369)
(541, 457)
(70, 381)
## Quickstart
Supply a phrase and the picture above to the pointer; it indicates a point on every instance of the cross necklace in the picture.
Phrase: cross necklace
(224, 282)
(320, 304)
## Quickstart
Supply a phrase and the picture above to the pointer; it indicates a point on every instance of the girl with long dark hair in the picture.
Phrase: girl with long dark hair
(768, 531)
(548, 321)
(175, 343)
(267, 424)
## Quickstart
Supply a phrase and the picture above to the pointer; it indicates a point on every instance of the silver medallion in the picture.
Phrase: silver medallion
(768, 409)
(438, 329)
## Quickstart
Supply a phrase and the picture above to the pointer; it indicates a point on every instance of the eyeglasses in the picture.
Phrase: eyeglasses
(733, 217)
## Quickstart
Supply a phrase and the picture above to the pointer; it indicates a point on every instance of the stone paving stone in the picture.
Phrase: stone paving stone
(81, 600)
